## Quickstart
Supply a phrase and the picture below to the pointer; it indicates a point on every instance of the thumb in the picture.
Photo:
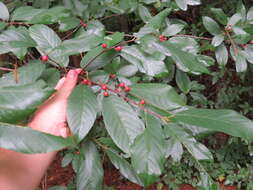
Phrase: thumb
(68, 85)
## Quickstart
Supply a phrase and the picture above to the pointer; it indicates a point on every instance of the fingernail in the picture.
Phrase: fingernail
(78, 71)
(72, 74)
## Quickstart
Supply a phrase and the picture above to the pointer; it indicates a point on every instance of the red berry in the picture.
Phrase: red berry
(162, 38)
(118, 48)
(104, 45)
(104, 86)
(86, 81)
(106, 94)
(122, 84)
(83, 24)
(44, 58)
(142, 102)
(127, 89)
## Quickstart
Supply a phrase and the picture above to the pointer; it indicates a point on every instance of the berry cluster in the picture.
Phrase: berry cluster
(119, 88)
(117, 48)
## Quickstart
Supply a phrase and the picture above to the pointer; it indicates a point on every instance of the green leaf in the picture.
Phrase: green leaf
(221, 54)
(121, 122)
(173, 29)
(220, 15)
(79, 45)
(226, 121)
(124, 167)
(183, 81)
(25, 13)
(159, 95)
(241, 63)
(211, 26)
(51, 76)
(250, 14)
(217, 40)
(234, 19)
(4, 13)
(47, 40)
(45, 37)
(98, 56)
(2, 25)
(174, 148)
(145, 63)
(68, 23)
(154, 23)
(177, 134)
(16, 41)
(27, 140)
(182, 4)
(114, 39)
(185, 61)
(96, 59)
(17, 102)
(51, 16)
(144, 13)
(81, 111)
(149, 145)
(90, 174)
(26, 75)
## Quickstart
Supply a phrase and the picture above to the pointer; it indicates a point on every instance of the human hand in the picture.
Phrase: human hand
(51, 116)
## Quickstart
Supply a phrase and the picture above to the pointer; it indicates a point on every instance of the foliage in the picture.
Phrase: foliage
(140, 99)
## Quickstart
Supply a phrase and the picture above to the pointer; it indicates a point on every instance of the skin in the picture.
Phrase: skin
(24, 171)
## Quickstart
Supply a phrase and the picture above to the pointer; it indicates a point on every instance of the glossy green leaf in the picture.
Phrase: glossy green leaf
(25, 13)
(226, 121)
(221, 54)
(174, 148)
(150, 146)
(4, 13)
(185, 61)
(217, 40)
(234, 19)
(182, 4)
(241, 63)
(121, 122)
(96, 59)
(81, 111)
(220, 15)
(250, 14)
(123, 166)
(183, 81)
(18, 102)
(145, 63)
(16, 41)
(68, 23)
(173, 29)
(159, 95)
(19, 139)
(79, 45)
(211, 26)
(144, 13)
(114, 39)
(47, 40)
(90, 174)
(26, 75)
(177, 134)
(51, 76)
(154, 23)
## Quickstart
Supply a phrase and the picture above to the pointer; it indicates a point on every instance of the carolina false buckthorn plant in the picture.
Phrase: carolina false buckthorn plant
(141, 98)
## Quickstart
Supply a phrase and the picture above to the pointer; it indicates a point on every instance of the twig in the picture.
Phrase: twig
(191, 36)
(232, 42)
(127, 35)
(6, 69)
(65, 37)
